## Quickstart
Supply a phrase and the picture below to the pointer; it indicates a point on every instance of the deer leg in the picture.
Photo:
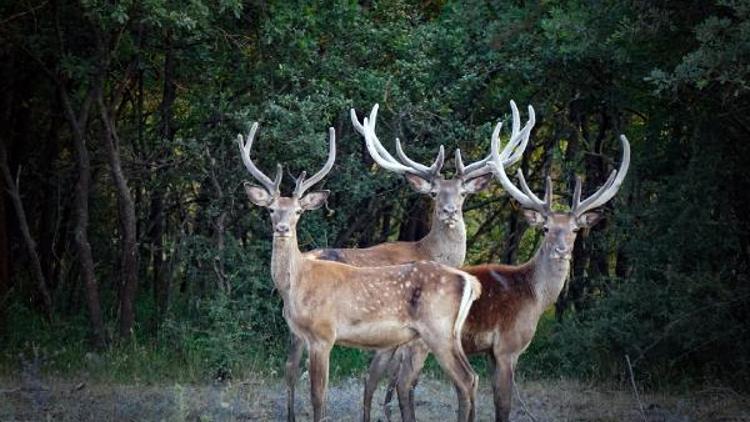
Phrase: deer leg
(394, 367)
(502, 385)
(451, 358)
(380, 362)
(291, 374)
(407, 376)
(320, 353)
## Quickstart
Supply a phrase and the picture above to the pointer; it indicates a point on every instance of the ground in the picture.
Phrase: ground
(42, 398)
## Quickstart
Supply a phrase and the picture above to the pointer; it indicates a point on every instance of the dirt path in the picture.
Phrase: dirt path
(261, 400)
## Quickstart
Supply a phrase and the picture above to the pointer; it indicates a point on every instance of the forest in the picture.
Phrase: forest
(129, 251)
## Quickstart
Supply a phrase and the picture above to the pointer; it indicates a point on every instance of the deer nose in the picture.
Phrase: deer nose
(562, 250)
(449, 209)
(282, 228)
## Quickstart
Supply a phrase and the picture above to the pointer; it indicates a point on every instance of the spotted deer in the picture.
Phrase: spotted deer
(327, 302)
(446, 241)
(502, 322)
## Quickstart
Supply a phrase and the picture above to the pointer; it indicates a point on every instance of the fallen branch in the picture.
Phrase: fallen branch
(635, 389)
(523, 403)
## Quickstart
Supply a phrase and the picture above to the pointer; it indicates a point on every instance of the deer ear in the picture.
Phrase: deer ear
(534, 218)
(478, 183)
(588, 219)
(418, 183)
(257, 195)
(314, 200)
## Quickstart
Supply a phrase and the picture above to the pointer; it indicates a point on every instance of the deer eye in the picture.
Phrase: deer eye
(546, 229)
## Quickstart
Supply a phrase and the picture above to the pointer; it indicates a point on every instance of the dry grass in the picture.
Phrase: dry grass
(262, 400)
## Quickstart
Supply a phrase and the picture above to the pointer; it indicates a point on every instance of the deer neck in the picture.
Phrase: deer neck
(285, 263)
(549, 278)
(444, 244)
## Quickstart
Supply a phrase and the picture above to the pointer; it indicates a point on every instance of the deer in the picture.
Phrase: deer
(328, 302)
(446, 240)
(502, 322)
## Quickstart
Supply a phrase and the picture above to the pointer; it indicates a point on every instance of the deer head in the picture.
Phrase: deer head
(448, 195)
(285, 210)
(561, 228)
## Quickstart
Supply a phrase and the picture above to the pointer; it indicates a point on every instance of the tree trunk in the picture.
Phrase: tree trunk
(161, 281)
(81, 205)
(513, 239)
(219, 228)
(23, 225)
(129, 253)
(415, 225)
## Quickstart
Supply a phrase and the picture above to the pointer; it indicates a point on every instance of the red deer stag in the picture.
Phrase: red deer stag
(503, 320)
(328, 302)
(446, 241)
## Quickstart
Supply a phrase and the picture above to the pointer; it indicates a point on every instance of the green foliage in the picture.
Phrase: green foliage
(664, 280)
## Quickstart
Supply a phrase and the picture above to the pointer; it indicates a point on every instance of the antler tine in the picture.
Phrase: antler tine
(610, 187)
(460, 169)
(437, 165)
(408, 161)
(519, 140)
(577, 192)
(515, 147)
(497, 167)
(480, 165)
(382, 156)
(531, 195)
(548, 193)
(383, 159)
(271, 186)
(359, 127)
(298, 184)
(303, 185)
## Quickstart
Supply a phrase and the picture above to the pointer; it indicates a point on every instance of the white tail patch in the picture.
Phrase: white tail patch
(472, 290)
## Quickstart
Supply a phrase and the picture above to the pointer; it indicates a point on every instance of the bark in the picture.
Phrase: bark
(157, 216)
(23, 225)
(81, 206)
(513, 239)
(219, 230)
(126, 208)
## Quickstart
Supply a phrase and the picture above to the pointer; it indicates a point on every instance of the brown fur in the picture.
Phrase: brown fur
(500, 302)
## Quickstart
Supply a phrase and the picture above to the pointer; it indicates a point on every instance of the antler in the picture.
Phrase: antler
(512, 152)
(608, 190)
(271, 186)
(303, 185)
(527, 198)
(385, 159)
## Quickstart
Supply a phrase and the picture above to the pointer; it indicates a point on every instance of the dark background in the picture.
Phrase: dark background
(125, 234)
